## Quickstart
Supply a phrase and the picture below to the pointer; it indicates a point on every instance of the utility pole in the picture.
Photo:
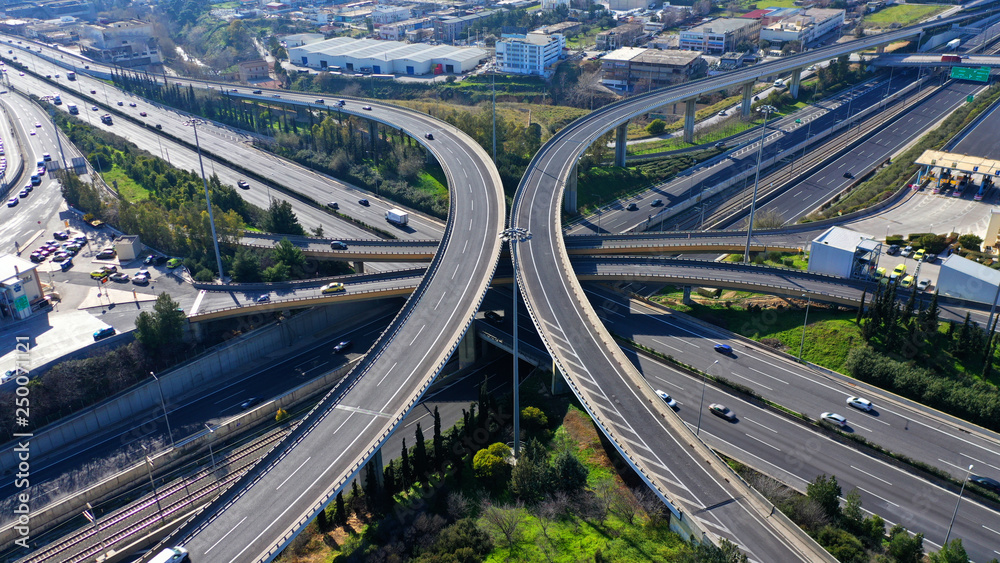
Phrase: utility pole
(208, 198)
(513, 236)
(767, 111)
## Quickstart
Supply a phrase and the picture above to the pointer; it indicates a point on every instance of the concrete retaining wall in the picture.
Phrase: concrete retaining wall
(222, 363)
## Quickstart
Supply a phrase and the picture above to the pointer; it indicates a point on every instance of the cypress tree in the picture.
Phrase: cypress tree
(861, 308)
(340, 513)
(405, 462)
(438, 441)
(321, 521)
(420, 455)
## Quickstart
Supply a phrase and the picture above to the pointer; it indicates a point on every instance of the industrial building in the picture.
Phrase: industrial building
(968, 279)
(127, 43)
(624, 35)
(844, 253)
(805, 27)
(721, 35)
(633, 69)
(385, 57)
(529, 54)
(451, 28)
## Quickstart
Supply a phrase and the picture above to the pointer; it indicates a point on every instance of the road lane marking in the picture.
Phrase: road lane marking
(419, 332)
(293, 473)
(224, 399)
(762, 442)
(224, 537)
(387, 374)
(662, 343)
(870, 475)
(439, 300)
(761, 425)
(878, 497)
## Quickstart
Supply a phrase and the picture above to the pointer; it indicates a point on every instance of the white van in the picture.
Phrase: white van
(171, 555)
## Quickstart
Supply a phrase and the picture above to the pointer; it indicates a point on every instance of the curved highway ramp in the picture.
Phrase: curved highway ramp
(267, 508)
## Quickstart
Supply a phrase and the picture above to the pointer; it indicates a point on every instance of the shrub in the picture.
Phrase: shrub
(491, 464)
(656, 127)
(970, 241)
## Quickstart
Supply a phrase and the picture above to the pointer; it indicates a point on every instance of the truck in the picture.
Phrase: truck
(779, 83)
(56, 99)
(397, 217)
(71, 75)
(106, 119)
(951, 59)
(953, 44)
(72, 109)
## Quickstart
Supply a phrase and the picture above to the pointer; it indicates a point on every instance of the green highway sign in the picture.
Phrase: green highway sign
(968, 98)
(981, 74)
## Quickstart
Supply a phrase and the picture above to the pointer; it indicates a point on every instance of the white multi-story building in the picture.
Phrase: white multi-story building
(383, 14)
(125, 43)
(553, 4)
(805, 27)
(529, 54)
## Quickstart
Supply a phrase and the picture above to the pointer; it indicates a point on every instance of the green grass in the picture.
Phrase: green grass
(777, 259)
(432, 181)
(585, 39)
(127, 187)
(904, 14)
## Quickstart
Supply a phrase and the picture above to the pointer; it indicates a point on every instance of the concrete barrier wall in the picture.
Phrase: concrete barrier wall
(219, 365)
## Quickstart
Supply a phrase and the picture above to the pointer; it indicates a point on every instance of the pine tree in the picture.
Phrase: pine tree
(420, 455)
(438, 442)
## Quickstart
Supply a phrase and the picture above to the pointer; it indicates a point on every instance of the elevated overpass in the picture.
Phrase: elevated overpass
(934, 61)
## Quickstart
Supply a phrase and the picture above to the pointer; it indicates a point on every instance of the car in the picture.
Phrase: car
(338, 245)
(11, 374)
(29, 188)
(23, 193)
(919, 255)
(833, 418)
(32, 133)
(848, 175)
(720, 145)
(493, 316)
(103, 333)
(93, 91)
(158, 126)
(38, 124)
(670, 401)
(756, 98)
(656, 203)
(930, 258)
(723, 113)
(724, 349)
(173, 263)
(892, 250)
(36, 257)
(263, 298)
(131, 104)
(66, 265)
(924, 284)
(121, 103)
(46, 156)
(907, 252)
(101, 274)
(342, 346)
(143, 272)
(106, 254)
(906, 282)
(20, 73)
(61, 256)
(320, 101)
(257, 92)
(811, 68)
(142, 113)
(60, 235)
(12, 202)
(722, 411)
(364, 202)
(898, 271)
(342, 103)
(275, 95)
(333, 205)
(334, 287)
(243, 185)
(965, 56)
(367, 108)
(429, 136)
(140, 280)
(986, 482)
(94, 108)
(119, 277)
(879, 273)
(249, 403)
(860, 404)
(632, 207)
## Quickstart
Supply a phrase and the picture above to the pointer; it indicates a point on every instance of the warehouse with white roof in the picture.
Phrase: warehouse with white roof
(385, 57)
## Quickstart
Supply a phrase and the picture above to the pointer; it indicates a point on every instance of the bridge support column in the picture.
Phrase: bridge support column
(468, 351)
(880, 49)
(747, 99)
(197, 331)
(373, 133)
(359, 266)
(687, 295)
(558, 385)
(378, 468)
(621, 144)
(796, 80)
(569, 194)
(689, 121)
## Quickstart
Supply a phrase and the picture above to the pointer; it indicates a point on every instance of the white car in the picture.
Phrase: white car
(859, 403)
(833, 418)
(667, 398)
(923, 284)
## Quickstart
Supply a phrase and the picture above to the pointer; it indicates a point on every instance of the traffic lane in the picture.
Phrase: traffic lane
(925, 212)
(897, 424)
(582, 352)
(211, 407)
(983, 140)
(796, 455)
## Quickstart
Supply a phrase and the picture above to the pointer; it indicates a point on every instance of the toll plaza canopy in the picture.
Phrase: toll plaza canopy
(959, 162)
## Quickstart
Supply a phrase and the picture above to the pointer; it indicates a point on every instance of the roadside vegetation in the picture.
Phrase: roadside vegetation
(902, 15)
(456, 497)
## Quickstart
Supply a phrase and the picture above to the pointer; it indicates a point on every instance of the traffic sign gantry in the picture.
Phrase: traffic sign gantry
(981, 74)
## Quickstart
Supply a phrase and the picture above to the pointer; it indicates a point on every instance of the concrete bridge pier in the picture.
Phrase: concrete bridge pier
(197, 331)
(747, 99)
(359, 266)
(621, 144)
(687, 295)
(793, 89)
(880, 49)
(373, 133)
(468, 351)
(689, 121)
(379, 470)
(569, 196)
(558, 384)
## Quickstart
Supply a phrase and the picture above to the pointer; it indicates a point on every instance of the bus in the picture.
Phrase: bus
(71, 75)
(72, 109)
(56, 100)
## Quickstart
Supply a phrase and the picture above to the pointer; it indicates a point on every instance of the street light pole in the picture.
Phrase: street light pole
(513, 236)
(210, 452)
(163, 404)
(156, 495)
(704, 384)
(767, 111)
(957, 504)
(802, 344)
(208, 199)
